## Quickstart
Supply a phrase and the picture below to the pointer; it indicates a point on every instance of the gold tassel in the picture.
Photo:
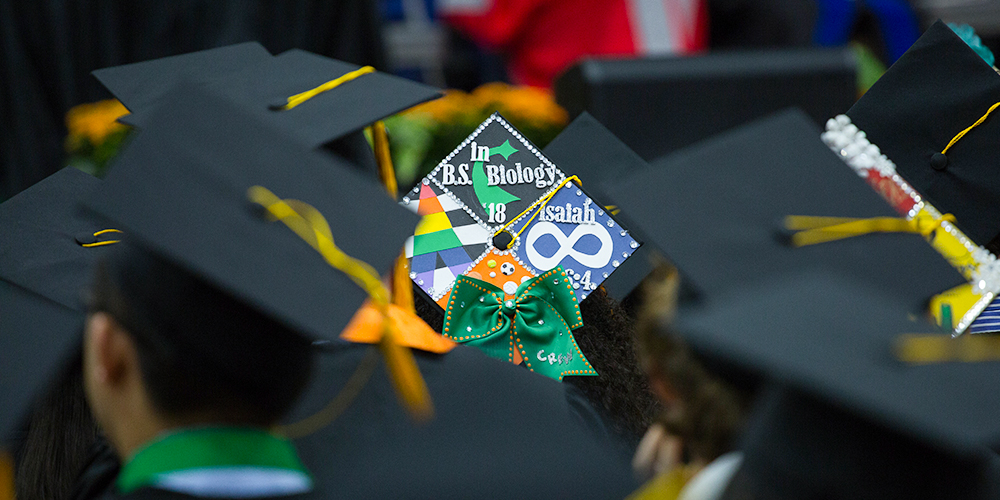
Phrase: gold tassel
(386, 172)
(402, 285)
(405, 376)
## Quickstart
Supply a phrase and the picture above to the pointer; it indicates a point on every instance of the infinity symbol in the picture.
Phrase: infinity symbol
(596, 260)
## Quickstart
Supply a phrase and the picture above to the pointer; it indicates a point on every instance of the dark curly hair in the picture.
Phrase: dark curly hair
(621, 392)
(714, 399)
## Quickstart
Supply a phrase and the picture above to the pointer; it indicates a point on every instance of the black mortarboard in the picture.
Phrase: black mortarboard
(181, 190)
(871, 417)
(256, 84)
(44, 272)
(937, 89)
(49, 245)
(587, 149)
(139, 86)
(716, 209)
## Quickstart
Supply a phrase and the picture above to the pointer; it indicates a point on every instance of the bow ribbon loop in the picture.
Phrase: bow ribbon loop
(538, 322)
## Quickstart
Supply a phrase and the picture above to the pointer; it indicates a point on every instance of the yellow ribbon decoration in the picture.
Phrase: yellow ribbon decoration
(102, 243)
(540, 204)
(925, 349)
(306, 222)
(302, 97)
(813, 230)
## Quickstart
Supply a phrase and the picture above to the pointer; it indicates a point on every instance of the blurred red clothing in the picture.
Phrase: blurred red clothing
(541, 38)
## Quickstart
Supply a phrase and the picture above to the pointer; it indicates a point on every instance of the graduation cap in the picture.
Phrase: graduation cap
(932, 162)
(45, 267)
(140, 86)
(717, 209)
(503, 221)
(49, 244)
(587, 149)
(330, 98)
(855, 418)
(203, 193)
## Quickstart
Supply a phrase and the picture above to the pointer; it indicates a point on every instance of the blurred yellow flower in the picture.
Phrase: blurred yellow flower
(94, 122)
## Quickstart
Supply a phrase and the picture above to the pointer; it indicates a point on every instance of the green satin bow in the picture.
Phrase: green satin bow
(537, 321)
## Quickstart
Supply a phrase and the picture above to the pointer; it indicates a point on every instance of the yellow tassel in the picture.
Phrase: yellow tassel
(405, 376)
(402, 286)
(383, 158)
(310, 225)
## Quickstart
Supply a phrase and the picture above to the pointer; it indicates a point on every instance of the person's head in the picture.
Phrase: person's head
(703, 407)
(164, 348)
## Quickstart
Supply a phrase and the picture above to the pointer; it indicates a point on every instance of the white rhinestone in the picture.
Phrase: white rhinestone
(611, 223)
(541, 322)
(468, 328)
(463, 304)
(426, 182)
(555, 282)
(605, 275)
(583, 296)
(420, 282)
(623, 232)
(576, 286)
(413, 276)
(615, 263)
(634, 244)
(510, 303)
(624, 255)
(578, 192)
(430, 291)
(406, 200)
(481, 299)
(600, 212)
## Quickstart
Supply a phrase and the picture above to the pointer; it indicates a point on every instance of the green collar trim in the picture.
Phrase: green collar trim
(207, 447)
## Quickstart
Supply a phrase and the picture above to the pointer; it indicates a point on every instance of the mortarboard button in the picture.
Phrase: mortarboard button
(939, 162)
(502, 240)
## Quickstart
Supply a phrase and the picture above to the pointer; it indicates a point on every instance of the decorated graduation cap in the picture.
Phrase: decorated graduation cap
(587, 149)
(861, 413)
(923, 137)
(718, 210)
(509, 244)
(312, 98)
(45, 266)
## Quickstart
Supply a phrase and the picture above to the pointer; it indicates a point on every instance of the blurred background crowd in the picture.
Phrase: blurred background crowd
(48, 49)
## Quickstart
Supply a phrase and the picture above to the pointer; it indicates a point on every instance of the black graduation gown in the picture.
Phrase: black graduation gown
(499, 431)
